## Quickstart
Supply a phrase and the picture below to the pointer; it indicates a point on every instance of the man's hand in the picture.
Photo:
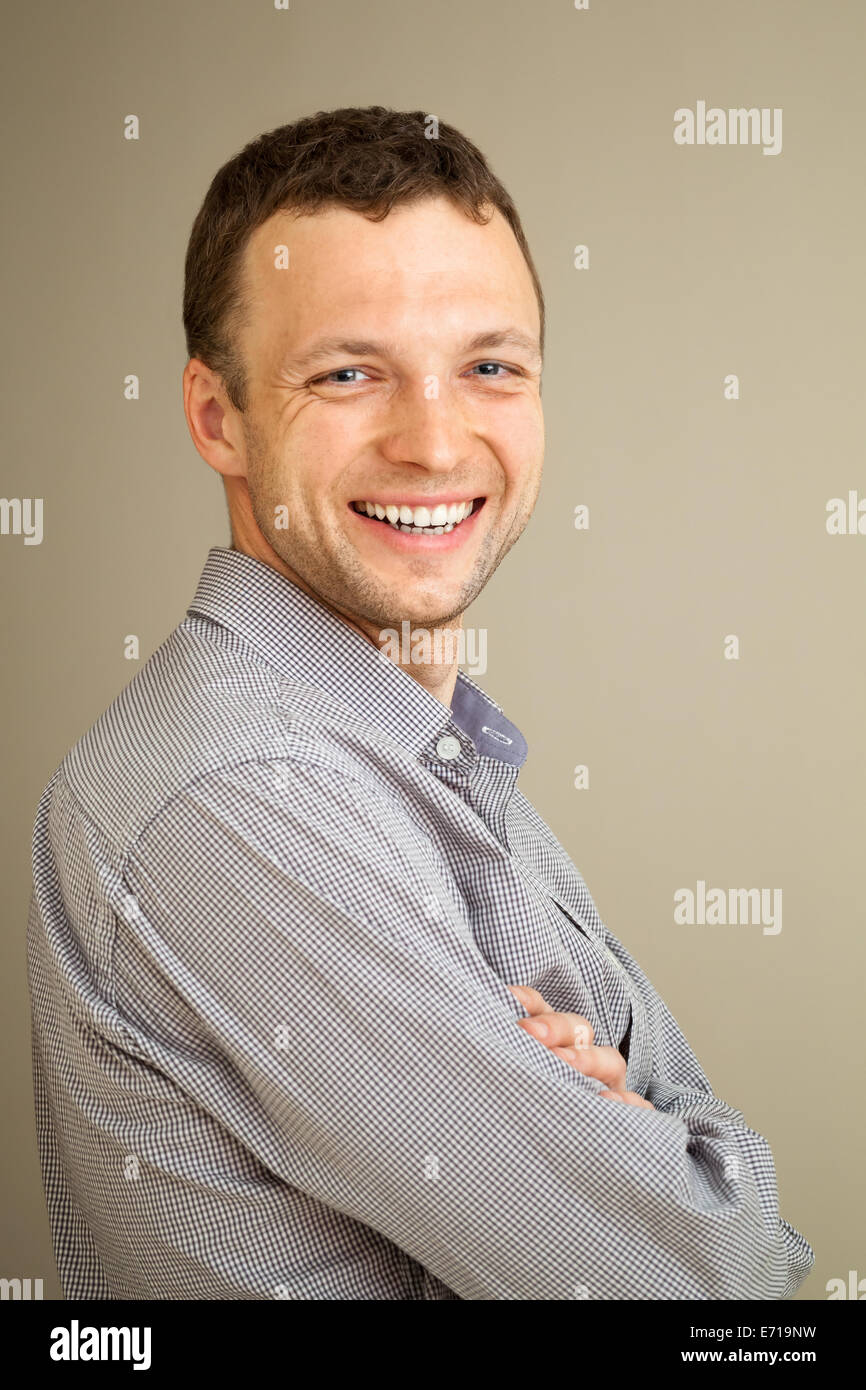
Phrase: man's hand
(570, 1037)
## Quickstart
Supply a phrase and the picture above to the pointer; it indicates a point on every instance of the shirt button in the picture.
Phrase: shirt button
(448, 747)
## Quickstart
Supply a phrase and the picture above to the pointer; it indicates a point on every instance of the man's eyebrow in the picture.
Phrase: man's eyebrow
(365, 347)
(506, 337)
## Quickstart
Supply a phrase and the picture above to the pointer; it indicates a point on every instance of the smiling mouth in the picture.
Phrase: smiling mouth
(438, 520)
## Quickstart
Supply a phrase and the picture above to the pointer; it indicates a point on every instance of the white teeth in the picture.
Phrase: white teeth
(437, 521)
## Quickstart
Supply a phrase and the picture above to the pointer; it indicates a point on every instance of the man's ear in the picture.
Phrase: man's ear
(212, 420)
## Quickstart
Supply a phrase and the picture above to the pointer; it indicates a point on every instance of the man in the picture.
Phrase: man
(296, 934)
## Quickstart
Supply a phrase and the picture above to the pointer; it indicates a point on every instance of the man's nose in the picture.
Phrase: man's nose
(427, 426)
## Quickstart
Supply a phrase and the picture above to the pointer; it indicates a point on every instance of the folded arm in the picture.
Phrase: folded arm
(303, 919)
(678, 1086)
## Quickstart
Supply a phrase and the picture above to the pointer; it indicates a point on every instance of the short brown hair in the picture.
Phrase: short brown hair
(368, 159)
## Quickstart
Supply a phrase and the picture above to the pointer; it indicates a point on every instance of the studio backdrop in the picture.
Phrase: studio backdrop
(679, 633)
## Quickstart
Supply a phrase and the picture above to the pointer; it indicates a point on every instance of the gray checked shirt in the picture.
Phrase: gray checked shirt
(278, 891)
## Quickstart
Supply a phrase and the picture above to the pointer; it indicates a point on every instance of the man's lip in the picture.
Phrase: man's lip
(418, 541)
(415, 500)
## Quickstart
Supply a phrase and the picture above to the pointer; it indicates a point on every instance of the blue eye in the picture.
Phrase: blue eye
(343, 372)
(499, 365)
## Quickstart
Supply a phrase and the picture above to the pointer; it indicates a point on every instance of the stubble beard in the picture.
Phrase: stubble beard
(335, 573)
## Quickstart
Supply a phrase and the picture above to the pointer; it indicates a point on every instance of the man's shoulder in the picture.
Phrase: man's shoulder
(202, 706)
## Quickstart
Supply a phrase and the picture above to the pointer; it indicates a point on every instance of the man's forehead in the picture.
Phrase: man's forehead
(433, 278)
(417, 248)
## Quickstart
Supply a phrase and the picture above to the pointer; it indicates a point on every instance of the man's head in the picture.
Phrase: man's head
(365, 325)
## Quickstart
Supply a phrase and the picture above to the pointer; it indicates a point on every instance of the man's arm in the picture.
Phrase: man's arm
(307, 927)
(679, 1086)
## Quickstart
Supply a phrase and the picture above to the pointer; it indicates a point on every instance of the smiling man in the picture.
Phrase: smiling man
(386, 465)
(321, 1007)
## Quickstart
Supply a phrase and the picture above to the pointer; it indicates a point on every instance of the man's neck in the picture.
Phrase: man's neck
(428, 655)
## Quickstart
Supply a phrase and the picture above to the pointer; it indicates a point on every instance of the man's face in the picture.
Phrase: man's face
(393, 363)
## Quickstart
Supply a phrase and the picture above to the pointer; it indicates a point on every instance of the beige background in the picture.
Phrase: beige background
(606, 647)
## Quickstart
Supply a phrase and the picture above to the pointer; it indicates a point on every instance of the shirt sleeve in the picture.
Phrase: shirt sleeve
(679, 1086)
(369, 1056)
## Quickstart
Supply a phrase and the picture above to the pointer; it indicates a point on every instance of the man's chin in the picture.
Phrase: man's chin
(429, 616)
(425, 609)
(381, 603)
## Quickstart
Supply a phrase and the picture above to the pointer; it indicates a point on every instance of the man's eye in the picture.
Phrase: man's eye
(348, 375)
(498, 366)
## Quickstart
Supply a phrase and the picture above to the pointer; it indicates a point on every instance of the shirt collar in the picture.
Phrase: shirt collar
(307, 643)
